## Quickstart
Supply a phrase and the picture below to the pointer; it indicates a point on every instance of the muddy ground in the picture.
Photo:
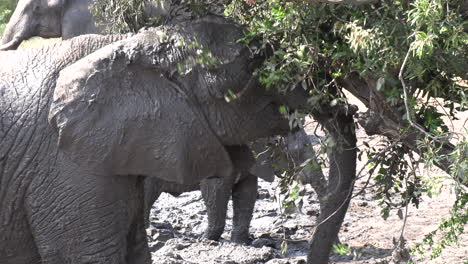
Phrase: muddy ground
(178, 223)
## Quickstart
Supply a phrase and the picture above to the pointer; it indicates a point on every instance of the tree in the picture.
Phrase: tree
(405, 60)
(398, 58)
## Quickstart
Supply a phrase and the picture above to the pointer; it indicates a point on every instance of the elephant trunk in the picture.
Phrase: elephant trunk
(17, 30)
(32, 18)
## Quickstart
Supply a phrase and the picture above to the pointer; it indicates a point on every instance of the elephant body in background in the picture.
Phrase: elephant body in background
(140, 106)
(242, 186)
(216, 193)
(48, 19)
(55, 19)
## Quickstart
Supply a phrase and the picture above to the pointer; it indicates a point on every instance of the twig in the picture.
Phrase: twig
(405, 97)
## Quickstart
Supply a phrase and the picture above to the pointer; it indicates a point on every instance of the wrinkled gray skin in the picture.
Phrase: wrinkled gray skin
(69, 18)
(216, 193)
(67, 194)
(28, 151)
(54, 19)
(242, 186)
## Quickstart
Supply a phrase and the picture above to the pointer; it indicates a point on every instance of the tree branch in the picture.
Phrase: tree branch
(382, 118)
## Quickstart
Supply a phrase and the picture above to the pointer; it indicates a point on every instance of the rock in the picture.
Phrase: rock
(290, 227)
(161, 225)
(287, 261)
(173, 255)
(163, 235)
(204, 251)
(154, 246)
(263, 242)
(363, 203)
(311, 211)
(263, 194)
(182, 246)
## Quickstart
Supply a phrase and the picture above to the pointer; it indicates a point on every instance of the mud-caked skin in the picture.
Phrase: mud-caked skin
(242, 186)
(32, 187)
(216, 192)
(70, 148)
(69, 18)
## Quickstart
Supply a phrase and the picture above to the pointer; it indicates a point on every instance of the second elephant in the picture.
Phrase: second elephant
(216, 192)
(242, 186)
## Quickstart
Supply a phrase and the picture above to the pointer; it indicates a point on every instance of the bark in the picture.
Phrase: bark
(385, 119)
(339, 122)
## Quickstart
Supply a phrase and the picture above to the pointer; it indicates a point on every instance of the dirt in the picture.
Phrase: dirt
(178, 223)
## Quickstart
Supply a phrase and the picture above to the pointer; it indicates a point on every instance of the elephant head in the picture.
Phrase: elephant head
(48, 19)
(33, 18)
(156, 104)
(57, 18)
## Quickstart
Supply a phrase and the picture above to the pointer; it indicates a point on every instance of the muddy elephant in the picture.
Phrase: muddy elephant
(54, 19)
(68, 18)
(27, 83)
(71, 148)
(243, 184)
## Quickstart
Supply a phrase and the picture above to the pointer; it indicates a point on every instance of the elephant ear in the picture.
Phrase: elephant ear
(119, 117)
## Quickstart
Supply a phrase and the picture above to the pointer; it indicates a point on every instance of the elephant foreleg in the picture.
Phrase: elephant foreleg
(82, 218)
(215, 192)
(244, 195)
(152, 191)
(137, 246)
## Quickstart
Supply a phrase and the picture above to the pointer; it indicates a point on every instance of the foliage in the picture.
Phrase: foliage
(341, 249)
(120, 16)
(451, 229)
(315, 44)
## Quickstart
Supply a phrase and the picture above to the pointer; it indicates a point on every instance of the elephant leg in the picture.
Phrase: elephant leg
(87, 218)
(137, 246)
(216, 193)
(152, 191)
(244, 195)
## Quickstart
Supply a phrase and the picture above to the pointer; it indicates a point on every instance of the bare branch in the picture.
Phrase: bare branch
(405, 97)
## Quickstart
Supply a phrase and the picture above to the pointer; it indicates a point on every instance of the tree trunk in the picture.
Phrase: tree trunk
(339, 123)
(385, 119)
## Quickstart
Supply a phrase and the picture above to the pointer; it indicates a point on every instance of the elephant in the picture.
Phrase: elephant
(27, 82)
(69, 18)
(76, 148)
(48, 19)
(56, 18)
(216, 193)
(242, 186)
